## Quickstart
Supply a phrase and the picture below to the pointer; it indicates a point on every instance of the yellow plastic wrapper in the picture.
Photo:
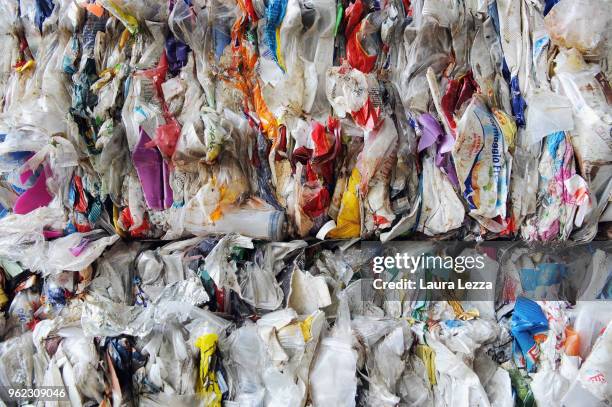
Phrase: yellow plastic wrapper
(3, 298)
(461, 314)
(207, 385)
(116, 225)
(349, 217)
(306, 327)
(28, 65)
(507, 126)
(129, 21)
(428, 356)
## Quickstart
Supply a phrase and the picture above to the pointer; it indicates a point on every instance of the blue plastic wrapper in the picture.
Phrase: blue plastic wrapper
(44, 8)
(518, 103)
(177, 53)
(528, 321)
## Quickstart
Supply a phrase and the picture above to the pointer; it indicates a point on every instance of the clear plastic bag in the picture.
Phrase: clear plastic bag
(579, 24)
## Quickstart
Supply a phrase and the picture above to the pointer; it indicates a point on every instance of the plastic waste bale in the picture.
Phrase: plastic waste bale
(236, 320)
(167, 120)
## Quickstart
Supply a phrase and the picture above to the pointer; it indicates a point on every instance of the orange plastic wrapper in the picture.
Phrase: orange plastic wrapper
(572, 342)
